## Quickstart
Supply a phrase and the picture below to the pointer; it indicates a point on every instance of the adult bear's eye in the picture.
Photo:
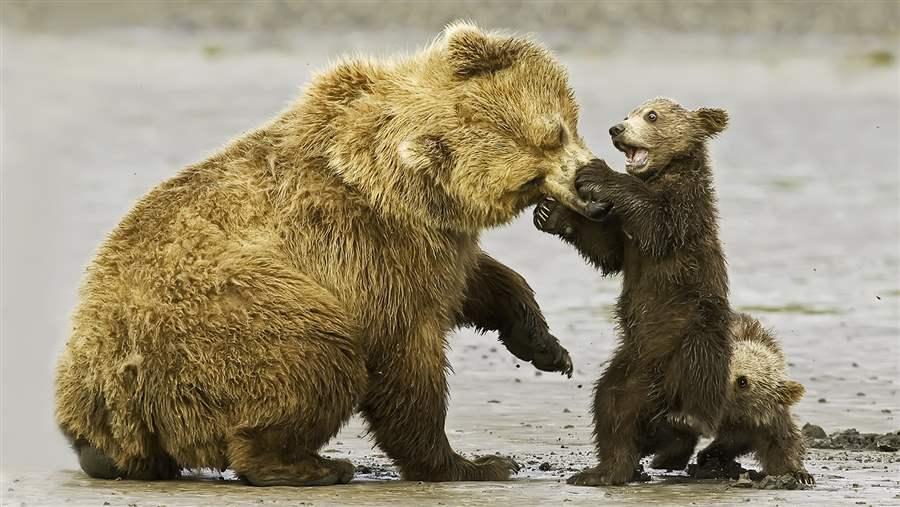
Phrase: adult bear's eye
(742, 382)
(651, 116)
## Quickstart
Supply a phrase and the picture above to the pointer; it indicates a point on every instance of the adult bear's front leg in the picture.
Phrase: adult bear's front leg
(499, 299)
(406, 406)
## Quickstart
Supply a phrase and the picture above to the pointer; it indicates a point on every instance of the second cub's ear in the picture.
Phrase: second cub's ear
(473, 52)
(711, 121)
(791, 392)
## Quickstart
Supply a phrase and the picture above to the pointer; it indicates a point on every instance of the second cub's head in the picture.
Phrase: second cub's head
(760, 389)
(465, 134)
(661, 130)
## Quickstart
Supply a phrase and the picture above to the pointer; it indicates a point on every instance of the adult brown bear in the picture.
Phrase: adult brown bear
(246, 307)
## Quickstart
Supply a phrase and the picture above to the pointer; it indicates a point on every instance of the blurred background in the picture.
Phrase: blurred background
(100, 101)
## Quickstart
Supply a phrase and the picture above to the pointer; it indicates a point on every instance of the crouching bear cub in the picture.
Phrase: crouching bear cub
(245, 308)
(673, 274)
(757, 417)
(673, 312)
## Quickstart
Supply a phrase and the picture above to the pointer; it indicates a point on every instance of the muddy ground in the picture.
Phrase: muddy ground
(809, 184)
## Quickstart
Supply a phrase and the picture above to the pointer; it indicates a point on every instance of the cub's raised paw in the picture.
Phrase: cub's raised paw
(553, 218)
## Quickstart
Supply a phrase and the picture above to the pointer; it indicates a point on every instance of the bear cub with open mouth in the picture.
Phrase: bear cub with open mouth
(671, 377)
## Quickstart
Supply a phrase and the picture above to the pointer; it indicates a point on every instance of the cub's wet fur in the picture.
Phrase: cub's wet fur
(675, 280)
(673, 312)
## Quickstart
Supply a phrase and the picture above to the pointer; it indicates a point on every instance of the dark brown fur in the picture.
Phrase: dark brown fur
(673, 311)
(245, 308)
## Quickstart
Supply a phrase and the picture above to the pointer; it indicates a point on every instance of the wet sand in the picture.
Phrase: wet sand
(808, 177)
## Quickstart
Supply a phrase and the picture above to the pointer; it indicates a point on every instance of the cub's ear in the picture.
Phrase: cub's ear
(791, 392)
(711, 121)
(473, 52)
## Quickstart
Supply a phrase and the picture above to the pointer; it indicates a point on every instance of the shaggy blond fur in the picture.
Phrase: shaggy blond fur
(246, 307)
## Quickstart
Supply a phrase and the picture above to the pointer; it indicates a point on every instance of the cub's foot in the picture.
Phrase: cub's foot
(598, 477)
(804, 477)
(317, 471)
(493, 468)
(553, 218)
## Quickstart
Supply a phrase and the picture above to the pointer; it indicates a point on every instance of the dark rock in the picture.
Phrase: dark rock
(545, 466)
(813, 431)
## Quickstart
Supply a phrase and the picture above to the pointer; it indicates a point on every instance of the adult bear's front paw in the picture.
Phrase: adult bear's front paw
(537, 346)
(550, 355)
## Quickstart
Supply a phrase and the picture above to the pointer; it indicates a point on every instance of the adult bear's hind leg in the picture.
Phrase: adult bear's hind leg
(309, 376)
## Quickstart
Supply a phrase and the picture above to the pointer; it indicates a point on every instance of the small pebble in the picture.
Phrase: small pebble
(545, 466)
(823, 400)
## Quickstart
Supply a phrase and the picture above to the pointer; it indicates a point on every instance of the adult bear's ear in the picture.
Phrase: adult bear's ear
(473, 52)
(711, 121)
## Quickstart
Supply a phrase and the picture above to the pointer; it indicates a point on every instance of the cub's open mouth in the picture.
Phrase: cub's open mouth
(635, 156)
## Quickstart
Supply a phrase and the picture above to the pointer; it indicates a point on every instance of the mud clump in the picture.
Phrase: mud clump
(786, 481)
(376, 472)
(813, 431)
(851, 440)
(714, 469)
(743, 477)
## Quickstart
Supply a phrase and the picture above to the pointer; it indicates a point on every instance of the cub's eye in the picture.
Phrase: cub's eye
(742, 382)
(651, 116)
(534, 182)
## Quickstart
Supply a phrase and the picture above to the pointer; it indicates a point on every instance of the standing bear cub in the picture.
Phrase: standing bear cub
(673, 312)
(245, 308)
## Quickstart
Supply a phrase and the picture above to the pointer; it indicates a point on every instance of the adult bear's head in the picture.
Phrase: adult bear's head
(462, 135)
